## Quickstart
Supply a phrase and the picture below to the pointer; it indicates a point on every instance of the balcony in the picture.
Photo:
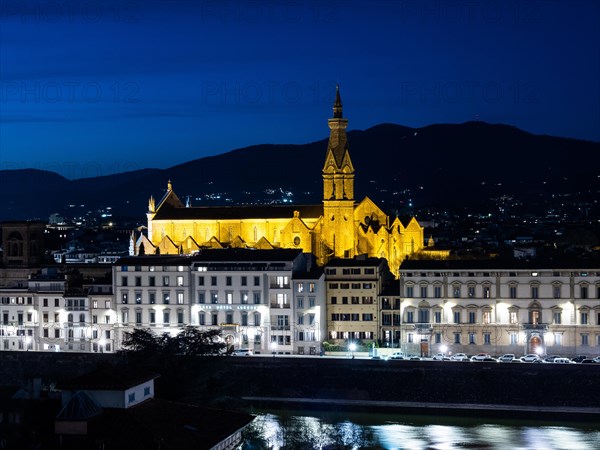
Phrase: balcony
(422, 327)
(280, 328)
(280, 305)
(535, 326)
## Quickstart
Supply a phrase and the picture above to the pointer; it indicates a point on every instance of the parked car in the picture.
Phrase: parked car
(398, 355)
(414, 358)
(597, 359)
(480, 357)
(587, 361)
(579, 358)
(531, 357)
(563, 361)
(440, 357)
(459, 357)
(242, 352)
(507, 357)
(551, 358)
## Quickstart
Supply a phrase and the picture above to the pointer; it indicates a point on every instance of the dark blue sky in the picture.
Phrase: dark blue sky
(98, 87)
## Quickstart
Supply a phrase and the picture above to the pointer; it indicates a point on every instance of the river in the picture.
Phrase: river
(278, 429)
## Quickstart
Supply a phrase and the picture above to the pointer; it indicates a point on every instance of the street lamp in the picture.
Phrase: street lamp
(443, 349)
(352, 348)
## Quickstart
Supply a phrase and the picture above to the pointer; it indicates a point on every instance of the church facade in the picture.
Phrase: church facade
(338, 227)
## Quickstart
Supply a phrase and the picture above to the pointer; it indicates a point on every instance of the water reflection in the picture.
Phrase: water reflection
(319, 430)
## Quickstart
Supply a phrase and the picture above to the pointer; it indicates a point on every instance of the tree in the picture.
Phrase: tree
(142, 340)
(192, 341)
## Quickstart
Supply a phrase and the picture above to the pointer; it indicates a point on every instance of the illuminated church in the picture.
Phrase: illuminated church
(339, 227)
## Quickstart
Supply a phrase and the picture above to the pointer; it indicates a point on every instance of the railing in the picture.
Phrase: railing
(280, 328)
(280, 305)
(535, 326)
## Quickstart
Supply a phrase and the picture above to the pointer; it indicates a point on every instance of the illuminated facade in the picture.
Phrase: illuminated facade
(339, 227)
(261, 300)
(497, 307)
(353, 290)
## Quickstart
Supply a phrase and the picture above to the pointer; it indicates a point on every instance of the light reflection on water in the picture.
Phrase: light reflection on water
(326, 430)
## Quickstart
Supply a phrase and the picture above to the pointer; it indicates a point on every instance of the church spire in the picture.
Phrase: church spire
(337, 105)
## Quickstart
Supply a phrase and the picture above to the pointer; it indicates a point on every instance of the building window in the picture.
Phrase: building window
(179, 281)
(512, 317)
(152, 318)
(124, 297)
(334, 300)
(584, 339)
(256, 298)
(138, 281)
(556, 291)
(457, 338)
(152, 298)
(472, 316)
(487, 317)
(437, 317)
(123, 281)
(410, 316)
(138, 318)
(456, 291)
(179, 317)
(180, 298)
(409, 291)
(423, 291)
(584, 318)
(472, 338)
(557, 318)
(200, 281)
(228, 281)
(214, 319)
(513, 292)
(471, 291)
(166, 280)
(166, 318)
(437, 291)
(456, 316)
(423, 316)
(229, 297)
(437, 338)
(201, 297)
(410, 338)
(214, 297)
(300, 302)
(256, 281)
(166, 298)
(584, 292)
(244, 319)
(151, 281)
(513, 339)
(558, 338)
(535, 292)
(201, 318)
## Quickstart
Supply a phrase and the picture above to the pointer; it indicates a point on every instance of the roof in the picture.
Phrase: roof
(238, 212)
(497, 264)
(314, 274)
(80, 407)
(356, 262)
(182, 426)
(109, 379)
(213, 255)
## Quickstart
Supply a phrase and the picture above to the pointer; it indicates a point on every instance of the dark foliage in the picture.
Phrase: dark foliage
(190, 341)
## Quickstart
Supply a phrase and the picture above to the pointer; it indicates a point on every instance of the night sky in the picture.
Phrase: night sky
(99, 87)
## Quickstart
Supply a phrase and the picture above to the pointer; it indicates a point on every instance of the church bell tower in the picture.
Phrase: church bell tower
(338, 190)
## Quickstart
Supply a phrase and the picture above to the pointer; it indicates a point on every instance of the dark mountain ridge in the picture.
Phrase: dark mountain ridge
(437, 165)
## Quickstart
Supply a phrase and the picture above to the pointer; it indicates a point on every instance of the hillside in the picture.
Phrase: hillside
(434, 166)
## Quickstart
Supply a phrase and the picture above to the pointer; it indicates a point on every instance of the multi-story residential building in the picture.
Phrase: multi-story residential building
(500, 307)
(353, 288)
(389, 316)
(151, 292)
(248, 294)
(311, 320)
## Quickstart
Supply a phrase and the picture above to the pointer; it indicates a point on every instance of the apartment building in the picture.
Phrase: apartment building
(353, 290)
(500, 307)
(310, 319)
